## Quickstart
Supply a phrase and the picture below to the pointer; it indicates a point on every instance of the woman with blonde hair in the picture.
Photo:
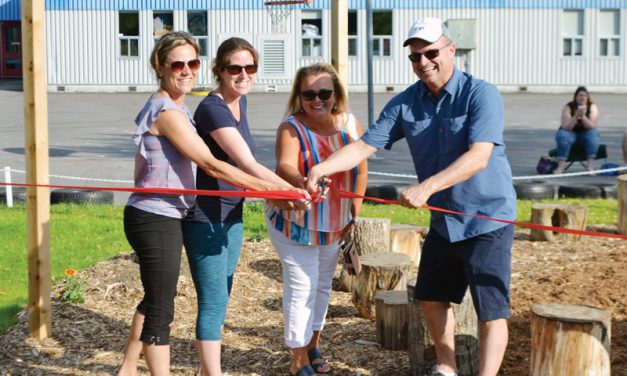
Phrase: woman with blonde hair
(308, 242)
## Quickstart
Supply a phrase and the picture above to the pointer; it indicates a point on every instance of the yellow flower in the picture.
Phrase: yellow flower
(70, 272)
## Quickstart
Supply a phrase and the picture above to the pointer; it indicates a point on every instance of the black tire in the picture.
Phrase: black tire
(385, 192)
(580, 191)
(19, 195)
(608, 190)
(534, 191)
(78, 196)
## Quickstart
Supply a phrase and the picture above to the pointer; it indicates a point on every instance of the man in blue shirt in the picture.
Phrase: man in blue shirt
(453, 124)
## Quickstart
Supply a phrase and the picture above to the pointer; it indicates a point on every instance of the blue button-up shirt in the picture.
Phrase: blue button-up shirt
(438, 132)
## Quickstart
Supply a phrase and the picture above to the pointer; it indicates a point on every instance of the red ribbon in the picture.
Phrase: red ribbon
(347, 194)
(277, 195)
(289, 195)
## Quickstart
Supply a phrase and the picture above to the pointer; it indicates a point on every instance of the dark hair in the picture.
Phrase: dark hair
(225, 50)
(166, 44)
(573, 104)
(579, 90)
(294, 104)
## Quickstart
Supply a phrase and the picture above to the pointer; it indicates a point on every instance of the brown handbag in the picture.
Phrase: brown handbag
(350, 258)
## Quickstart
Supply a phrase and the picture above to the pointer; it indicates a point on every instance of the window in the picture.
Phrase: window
(382, 33)
(572, 33)
(609, 33)
(311, 27)
(162, 23)
(128, 33)
(352, 33)
(197, 26)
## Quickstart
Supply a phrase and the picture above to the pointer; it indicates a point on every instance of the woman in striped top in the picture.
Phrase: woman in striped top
(307, 242)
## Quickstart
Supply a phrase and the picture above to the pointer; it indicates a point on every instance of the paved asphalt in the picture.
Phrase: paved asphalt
(90, 134)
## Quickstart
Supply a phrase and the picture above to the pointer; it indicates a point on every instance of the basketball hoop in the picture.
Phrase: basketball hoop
(279, 12)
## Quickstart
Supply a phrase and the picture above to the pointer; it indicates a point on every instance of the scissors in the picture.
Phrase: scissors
(322, 183)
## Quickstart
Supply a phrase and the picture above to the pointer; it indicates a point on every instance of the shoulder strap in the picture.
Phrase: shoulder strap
(351, 127)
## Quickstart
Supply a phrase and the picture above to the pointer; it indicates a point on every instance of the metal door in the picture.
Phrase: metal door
(11, 54)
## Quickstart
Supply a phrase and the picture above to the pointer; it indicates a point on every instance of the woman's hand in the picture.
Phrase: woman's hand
(297, 204)
(303, 203)
(581, 111)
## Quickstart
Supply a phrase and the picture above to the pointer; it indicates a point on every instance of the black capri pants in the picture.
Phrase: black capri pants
(157, 241)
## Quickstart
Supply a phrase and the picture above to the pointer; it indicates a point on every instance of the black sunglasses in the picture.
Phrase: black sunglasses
(429, 54)
(237, 69)
(323, 94)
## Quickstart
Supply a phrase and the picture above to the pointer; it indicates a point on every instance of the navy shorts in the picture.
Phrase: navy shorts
(483, 262)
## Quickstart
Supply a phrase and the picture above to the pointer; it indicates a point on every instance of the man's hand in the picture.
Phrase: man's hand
(415, 196)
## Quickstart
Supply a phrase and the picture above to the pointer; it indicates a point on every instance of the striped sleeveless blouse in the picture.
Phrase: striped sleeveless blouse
(323, 224)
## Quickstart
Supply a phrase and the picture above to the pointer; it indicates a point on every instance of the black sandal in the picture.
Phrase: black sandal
(305, 371)
(314, 353)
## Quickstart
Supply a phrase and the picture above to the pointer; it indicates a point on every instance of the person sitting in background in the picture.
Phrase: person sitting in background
(578, 127)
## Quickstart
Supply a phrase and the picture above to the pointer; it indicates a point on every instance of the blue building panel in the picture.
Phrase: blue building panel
(10, 10)
(152, 4)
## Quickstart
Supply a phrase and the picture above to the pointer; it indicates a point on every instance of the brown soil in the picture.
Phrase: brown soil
(88, 338)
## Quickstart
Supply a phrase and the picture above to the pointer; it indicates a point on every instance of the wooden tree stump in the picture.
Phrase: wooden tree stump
(406, 239)
(381, 271)
(621, 187)
(391, 319)
(569, 340)
(420, 344)
(371, 235)
(557, 215)
(346, 281)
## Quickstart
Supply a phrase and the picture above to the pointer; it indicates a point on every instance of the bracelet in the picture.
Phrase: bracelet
(355, 220)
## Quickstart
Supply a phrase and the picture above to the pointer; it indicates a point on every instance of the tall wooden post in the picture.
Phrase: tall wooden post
(339, 39)
(36, 151)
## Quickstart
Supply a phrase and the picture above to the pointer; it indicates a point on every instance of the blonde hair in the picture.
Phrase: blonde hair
(294, 104)
(166, 44)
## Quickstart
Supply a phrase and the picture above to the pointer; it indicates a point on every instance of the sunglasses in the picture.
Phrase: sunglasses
(429, 54)
(178, 66)
(310, 95)
(237, 69)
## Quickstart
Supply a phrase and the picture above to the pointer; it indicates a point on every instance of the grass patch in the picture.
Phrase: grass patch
(82, 235)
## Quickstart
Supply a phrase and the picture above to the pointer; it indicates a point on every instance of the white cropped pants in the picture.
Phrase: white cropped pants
(307, 278)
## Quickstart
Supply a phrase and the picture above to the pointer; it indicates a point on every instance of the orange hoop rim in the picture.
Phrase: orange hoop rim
(285, 2)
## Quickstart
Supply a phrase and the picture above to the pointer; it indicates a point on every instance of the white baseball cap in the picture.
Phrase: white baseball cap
(429, 29)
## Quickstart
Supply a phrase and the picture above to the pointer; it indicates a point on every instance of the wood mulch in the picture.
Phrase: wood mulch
(88, 338)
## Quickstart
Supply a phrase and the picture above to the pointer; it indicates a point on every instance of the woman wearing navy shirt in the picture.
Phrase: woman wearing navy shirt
(213, 227)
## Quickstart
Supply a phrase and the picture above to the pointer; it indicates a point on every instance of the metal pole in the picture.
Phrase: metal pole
(369, 61)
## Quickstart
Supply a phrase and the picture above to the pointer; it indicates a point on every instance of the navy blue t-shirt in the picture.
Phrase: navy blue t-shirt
(212, 113)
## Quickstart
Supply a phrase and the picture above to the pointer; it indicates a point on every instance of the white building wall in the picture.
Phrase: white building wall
(517, 49)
